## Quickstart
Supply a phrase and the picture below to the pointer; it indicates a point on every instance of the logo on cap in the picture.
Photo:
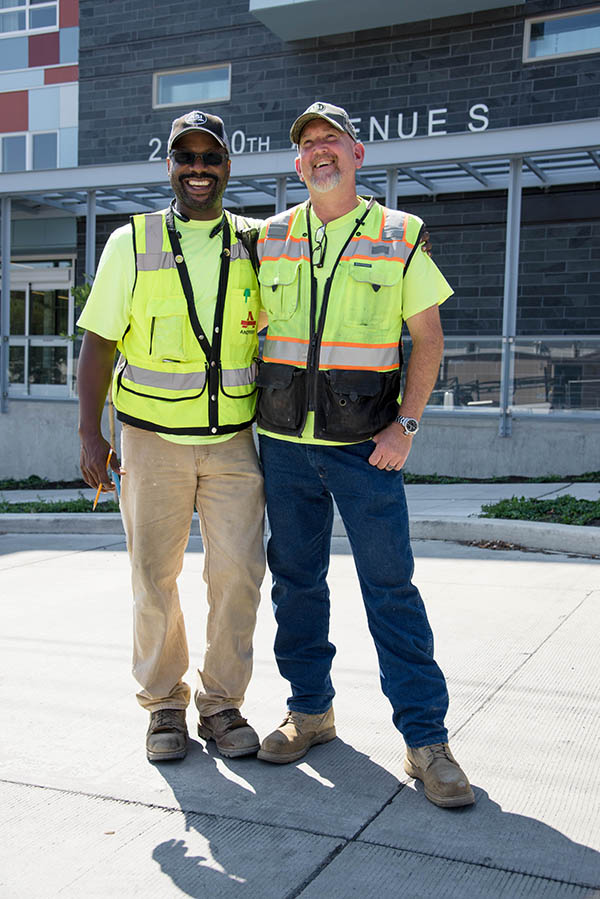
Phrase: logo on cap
(196, 118)
(319, 106)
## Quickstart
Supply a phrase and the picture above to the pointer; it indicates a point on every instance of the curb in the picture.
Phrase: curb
(565, 538)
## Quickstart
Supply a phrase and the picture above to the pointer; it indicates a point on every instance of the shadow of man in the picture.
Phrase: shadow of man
(266, 828)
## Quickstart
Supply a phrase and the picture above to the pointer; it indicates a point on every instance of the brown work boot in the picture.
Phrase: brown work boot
(232, 733)
(295, 735)
(166, 738)
(446, 784)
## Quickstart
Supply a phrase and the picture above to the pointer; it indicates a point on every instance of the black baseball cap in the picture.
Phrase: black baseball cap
(198, 121)
(335, 115)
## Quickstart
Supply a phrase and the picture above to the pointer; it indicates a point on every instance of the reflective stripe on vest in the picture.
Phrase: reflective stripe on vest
(391, 242)
(191, 380)
(239, 251)
(277, 244)
(154, 257)
(366, 357)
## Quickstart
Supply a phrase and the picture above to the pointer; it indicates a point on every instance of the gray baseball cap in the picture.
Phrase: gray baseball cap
(198, 121)
(335, 115)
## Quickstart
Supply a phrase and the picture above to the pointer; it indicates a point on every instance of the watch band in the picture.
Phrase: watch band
(410, 425)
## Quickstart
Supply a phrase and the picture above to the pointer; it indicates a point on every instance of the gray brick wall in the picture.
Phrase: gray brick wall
(559, 260)
(451, 62)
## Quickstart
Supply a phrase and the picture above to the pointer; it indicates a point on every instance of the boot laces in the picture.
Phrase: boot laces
(440, 751)
(167, 719)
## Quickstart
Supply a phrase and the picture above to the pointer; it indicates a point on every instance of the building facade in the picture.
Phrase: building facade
(485, 122)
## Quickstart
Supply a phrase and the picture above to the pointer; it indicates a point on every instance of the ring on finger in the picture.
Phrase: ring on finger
(390, 467)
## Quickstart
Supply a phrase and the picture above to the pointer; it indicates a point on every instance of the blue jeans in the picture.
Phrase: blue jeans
(300, 481)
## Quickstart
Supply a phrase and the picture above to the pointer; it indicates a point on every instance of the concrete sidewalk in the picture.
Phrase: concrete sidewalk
(85, 815)
(437, 512)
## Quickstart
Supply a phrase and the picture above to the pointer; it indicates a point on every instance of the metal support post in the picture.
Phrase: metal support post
(391, 188)
(90, 236)
(281, 194)
(511, 284)
(5, 304)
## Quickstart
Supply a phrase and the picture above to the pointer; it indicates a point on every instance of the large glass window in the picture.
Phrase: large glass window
(180, 87)
(42, 347)
(566, 34)
(469, 375)
(557, 373)
(27, 15)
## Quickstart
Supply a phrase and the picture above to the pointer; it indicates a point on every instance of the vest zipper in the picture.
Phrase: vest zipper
(316, 329)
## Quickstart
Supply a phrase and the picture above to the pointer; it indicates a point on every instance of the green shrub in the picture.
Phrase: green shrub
(564, 509)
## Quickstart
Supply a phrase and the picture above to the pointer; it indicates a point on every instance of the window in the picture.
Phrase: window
(566, 34)
(27, 15)
(41, 360)
(180, 87)
(21, 152)
(14, 153)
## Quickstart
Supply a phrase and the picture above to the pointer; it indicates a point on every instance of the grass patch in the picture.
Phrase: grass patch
(71, 505)
(561, 510)
(34, 482)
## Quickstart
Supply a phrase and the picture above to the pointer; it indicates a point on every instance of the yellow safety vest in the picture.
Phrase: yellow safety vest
(341, 358)
(172, 377)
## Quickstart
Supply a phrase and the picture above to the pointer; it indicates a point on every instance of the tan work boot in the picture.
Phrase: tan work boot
(446, 784)
(295, 735)
(232, 733)
(166, 737)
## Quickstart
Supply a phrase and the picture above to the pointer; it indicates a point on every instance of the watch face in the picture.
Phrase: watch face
(411, 425)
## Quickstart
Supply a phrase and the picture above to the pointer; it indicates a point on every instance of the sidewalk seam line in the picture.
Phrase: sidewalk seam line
(449, 858)
(347, 842)
(177, 809)
(355, 838)
(60, 553)
(530, 656)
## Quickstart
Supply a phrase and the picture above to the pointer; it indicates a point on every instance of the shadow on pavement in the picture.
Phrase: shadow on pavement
(274, 840)
(259, 856)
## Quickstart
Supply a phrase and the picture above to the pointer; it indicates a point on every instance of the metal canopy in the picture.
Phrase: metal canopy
(564, 153)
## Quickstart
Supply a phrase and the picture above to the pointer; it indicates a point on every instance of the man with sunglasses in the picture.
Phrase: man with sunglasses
(176, 294)
(339, 274)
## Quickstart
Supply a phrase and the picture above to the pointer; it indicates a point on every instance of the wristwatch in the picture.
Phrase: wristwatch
(410, 425)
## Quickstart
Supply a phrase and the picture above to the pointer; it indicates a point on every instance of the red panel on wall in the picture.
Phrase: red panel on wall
(58, 76)
(44, 49)
(69, 13)
(14, 111)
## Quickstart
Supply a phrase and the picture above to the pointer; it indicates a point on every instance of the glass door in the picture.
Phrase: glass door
(41, 332)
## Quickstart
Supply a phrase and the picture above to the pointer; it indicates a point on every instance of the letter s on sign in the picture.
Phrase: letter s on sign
(478, 113)
(157, 143)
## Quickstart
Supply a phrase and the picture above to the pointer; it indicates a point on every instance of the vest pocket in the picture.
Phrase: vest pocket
(368, 301)
(281, 397)
(354, 405)
(167, 321)
(280, 288)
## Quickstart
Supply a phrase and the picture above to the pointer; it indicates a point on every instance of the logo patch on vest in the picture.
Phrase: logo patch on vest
(248, 324)
(380, 249)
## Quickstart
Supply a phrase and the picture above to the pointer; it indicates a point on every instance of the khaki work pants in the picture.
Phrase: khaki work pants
(162, 484)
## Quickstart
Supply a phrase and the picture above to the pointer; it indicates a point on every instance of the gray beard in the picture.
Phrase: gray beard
(327, 184)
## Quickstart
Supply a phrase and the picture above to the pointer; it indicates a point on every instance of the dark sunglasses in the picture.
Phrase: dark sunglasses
(188, 157)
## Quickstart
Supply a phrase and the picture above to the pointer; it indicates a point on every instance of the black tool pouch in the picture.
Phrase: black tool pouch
(354, 405)
(281, 398)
